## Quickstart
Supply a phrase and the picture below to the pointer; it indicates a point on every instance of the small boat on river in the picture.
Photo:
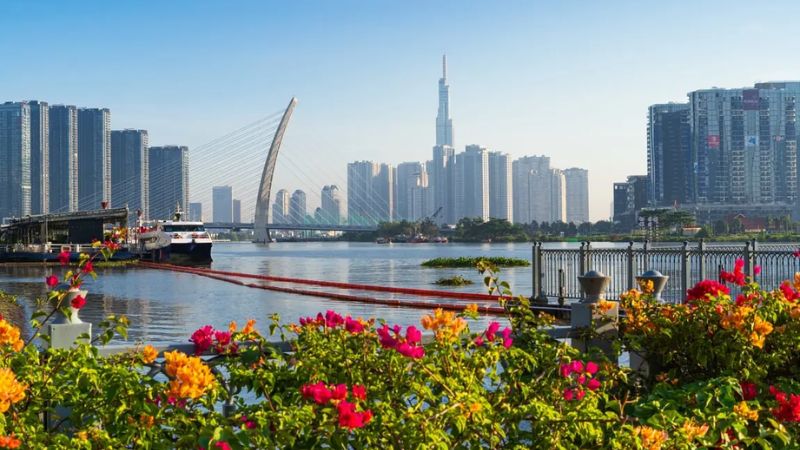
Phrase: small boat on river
(175, 241)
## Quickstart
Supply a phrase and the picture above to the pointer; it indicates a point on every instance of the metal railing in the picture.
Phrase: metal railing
(555, 271)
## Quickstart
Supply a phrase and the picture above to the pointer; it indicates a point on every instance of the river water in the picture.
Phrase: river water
(166, 307)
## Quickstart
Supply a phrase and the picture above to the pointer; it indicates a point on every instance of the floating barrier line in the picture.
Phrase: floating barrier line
(336, 284)
(330, 295)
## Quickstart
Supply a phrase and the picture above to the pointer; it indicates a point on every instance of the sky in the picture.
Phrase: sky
(568, 79)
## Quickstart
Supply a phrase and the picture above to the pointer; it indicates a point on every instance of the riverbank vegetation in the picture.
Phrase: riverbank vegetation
(457, 280)
(465, 261)
(722, 372)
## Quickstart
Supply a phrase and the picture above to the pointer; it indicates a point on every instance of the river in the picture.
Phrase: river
(165, 307)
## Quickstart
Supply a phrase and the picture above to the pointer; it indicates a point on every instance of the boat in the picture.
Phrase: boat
(439, 240)
(174, 241)
(382, 240)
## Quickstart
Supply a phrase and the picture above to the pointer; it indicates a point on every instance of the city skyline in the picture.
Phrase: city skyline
(514, 86)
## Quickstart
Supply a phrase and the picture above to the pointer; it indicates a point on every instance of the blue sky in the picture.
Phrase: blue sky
(571, 80)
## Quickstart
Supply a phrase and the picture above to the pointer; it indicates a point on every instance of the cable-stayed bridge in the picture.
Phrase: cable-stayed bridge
(247, 159)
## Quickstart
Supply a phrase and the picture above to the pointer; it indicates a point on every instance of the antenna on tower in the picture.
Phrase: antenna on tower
(444, 66)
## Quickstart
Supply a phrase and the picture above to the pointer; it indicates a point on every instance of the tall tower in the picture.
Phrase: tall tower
(444, 124)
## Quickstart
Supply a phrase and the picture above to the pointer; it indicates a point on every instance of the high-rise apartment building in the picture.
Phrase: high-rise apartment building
(370, 193)
(668, 153)
(532, 181)
(94, 157)
(40, 157)
(442, 182)
(297, 207)
(196, 212)
(331, 207)
(407, 178)
(130, 174)
(501, 201)
(629, 198)
(15, 159)
(222, 203)
(280, 209)
(472, 183)
(744, 144)
(558, 196)
(63, 158)
(577, 192)
(237, 211)
(169, 180)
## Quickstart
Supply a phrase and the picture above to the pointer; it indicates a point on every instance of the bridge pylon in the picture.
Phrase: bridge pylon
(260, 229)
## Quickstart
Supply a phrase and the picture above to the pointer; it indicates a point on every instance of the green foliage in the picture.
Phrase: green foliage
(457, 280)
(465, 261)
(494, 230)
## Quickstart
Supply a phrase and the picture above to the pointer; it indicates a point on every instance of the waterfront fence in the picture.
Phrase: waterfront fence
(556, 271)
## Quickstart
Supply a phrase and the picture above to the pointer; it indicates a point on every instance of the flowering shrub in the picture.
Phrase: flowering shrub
(724, 374)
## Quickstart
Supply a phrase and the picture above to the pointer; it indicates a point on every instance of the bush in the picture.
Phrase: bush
(464, 261)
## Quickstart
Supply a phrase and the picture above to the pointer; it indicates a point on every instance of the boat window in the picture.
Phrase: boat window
(173, 228)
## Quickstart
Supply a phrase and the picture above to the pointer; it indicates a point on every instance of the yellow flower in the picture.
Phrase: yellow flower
(190, 377)
(743, 410)
(11, 390)
(82, 436)
(652, 439)
(472, 308)
(647, 286)
(446, 326)
(735, 318)
(232, 327)
(475, 407)
(762, 326)
(757, 340)
(9, 335)
(796, 282)
(149, 354)
(692, 430)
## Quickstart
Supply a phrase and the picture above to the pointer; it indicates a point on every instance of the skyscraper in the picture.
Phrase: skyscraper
(196, 212)
(407, 177)
(558, 196)
(472, 183)
(501, 204)
(130, 175)
(629, 198)
(15, 159)
(668, 153)
(370, 193)
(237, 211)
(63, 158)
(169, 180)
(280, 209)
(222, 203)
(744, 145)
(577, 182)
(40, 157)
(94, 157)
(532, 187)
(383, 193)
(297, 207)
(442, 181)
(444, 124)
(331, 207)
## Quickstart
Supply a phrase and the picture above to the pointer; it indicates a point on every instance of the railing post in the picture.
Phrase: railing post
(645, 247)
(748, 258)
(562, 287)
(701, 259)
(630, 269)
(582, 258)
(753, 251)
(535, 271)
(685, 270)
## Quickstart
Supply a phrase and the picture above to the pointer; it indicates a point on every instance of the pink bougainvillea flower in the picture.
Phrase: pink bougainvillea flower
(88, 267)
(247, 423)
(790, 294)
(593, 384)
(749, 390)
(353, 326)
(359, 392)
(705, 289)
(591, 367)
(78, 302)
(756, 270)
(222, 445)
(491, 330)
(566, 369)
(333, 320)
(202, 339)
(577, 366)
(507, 339)
(479, 341)
(339, 392)
(52, 281)
(350, 418)
(407, 346)
(568, 394)
(413, 335)
(737, 276)
(580, 394)
(317, 392)
(796, 253)
(63, 258)
(385, 337)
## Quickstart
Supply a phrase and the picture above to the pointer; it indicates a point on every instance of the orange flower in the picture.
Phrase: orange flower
(743, 410)
(796, 281)
(604, 306)
(652, 439)
(472, 308)
(250, 327)
(757, 340)
(190, 377)
(735, 319)
(9, 335)
(9, 441)
(444, 324)
(11, 390)
(232, 327)
(647, 286)
(795, 313)
(149, 354)
(692, 430)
